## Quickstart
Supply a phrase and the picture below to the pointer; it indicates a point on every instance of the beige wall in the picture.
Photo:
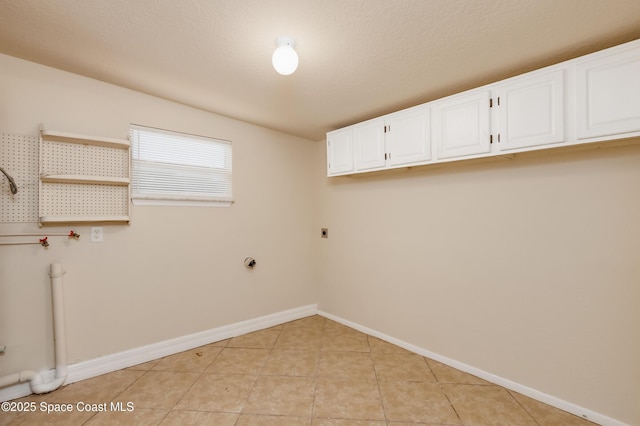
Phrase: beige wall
(528, 269)
(174, 270)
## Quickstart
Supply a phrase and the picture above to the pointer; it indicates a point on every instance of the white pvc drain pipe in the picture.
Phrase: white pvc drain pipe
(34, 378)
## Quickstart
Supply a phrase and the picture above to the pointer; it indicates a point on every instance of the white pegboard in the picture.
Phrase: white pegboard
(19, 158)
(89, 160)
(72, 200)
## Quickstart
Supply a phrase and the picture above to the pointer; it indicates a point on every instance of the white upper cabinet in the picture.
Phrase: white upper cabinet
(461, 124)
(531, 110)
(369, 144)
(586, 100)
(340, 152)
(608, 92)
(408, 136)
(402, 138)
(397, 139)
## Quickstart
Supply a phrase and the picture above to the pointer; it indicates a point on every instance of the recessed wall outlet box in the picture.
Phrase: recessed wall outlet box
(324, 233)
(97, 234)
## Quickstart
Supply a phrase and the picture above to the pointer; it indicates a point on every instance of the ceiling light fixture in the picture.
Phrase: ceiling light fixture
(285, 58)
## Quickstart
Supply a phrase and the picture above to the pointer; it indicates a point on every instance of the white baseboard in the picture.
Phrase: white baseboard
(516, 387)
(106, 364)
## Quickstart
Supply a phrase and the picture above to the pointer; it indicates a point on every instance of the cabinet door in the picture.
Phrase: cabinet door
(340, 151)
(531, 111)
(461, 125)
(369, 144)
(608, 94)
(409, 136)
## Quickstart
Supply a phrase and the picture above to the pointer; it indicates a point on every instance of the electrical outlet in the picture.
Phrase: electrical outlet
(97, 234)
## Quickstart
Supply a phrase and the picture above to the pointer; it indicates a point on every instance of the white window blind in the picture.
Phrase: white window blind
(177, 168)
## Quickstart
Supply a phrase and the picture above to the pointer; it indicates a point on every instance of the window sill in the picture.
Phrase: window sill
(185, 203)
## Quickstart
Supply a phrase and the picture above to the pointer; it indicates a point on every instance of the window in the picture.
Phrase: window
(170, 168)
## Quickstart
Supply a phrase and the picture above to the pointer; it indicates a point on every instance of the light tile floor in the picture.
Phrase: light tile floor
(311, 372)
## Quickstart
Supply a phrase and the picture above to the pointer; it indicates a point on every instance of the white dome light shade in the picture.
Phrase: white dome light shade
(285, 58)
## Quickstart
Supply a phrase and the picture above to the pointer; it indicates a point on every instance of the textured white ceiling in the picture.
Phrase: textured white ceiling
(358, 58)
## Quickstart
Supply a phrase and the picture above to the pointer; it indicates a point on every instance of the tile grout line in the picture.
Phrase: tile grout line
(522, 406)
(145, 372)
(316, 374)
(439, 383)
(450, 403)
(257, 373)
(375, 373)
(195, 381)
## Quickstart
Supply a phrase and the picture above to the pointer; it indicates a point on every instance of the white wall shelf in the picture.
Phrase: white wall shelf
(83, 219)
(53, 136)
(83, 179)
